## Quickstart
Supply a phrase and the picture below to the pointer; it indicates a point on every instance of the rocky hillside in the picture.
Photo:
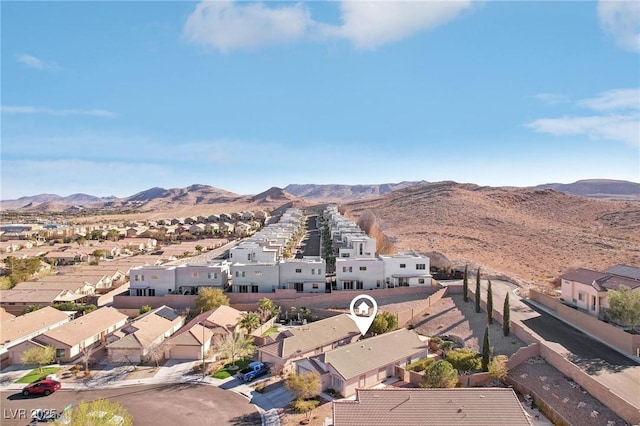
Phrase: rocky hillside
(530, 234)
(599, 188)
(337, 193)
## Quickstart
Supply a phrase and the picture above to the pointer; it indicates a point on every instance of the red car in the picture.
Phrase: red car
(43, 387)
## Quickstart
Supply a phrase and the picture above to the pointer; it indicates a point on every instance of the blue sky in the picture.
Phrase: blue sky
(111, 98)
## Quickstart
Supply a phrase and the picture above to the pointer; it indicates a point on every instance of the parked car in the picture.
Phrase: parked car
(43, 387)
(253, 370)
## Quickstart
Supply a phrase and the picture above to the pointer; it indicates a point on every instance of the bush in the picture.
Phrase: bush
(420, 365)
(464, 359)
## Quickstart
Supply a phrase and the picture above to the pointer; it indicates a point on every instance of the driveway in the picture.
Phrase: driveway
(162, 404)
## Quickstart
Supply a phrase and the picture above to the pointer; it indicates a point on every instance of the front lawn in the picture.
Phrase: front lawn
(34, 375)
(225, 372)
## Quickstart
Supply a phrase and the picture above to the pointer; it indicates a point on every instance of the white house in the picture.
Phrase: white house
(359, 273)
(152, 280)
(255, 277)
(406, 269)
(304, 275)
(190, 277)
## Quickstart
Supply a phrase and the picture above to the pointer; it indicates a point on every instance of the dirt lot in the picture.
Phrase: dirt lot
(573, 403)
(453, 317)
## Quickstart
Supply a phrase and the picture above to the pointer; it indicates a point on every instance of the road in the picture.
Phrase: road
(164, 404)
(312, 244)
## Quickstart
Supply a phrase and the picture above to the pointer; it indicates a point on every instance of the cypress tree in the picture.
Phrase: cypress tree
(465, 285)
(506, 316)
(478, 291)
(486, 350)
(489, 304)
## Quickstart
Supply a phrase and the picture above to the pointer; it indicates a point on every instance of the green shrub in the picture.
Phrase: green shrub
(420, 365)
(464, 359)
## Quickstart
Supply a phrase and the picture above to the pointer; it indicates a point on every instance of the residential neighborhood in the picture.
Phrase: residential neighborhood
(130, 309)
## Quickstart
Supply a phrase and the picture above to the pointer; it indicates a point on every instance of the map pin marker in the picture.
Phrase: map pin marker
(363, 311)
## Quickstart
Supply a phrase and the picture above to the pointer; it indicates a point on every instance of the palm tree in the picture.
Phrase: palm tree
(250, 321)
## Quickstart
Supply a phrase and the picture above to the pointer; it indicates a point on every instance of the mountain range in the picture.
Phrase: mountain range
(159, 198)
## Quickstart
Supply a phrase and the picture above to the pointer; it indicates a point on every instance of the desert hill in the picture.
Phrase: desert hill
(530, 234)
(273, 194)
(335, 193)
(598, 188)
(31, 202)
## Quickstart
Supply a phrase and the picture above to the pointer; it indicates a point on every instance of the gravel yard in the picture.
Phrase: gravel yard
(573, 403)
(453, 317)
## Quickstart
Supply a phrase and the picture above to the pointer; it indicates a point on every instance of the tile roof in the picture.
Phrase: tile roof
(409, 407)
(32, 322)
(86, 326)
(314, 335)
(632, 272)
(582, 275)
(191, 336)
(36, 296)
(372, 353)
(148, 328)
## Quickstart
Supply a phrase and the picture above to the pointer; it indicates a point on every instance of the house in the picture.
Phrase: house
(20, 329)
(16, 301)
(242, 229)
(587, 289)
(417, 407)
(196, 338)
(69, 257)
(304, 275)
(88, 331)
(311, 339)
(359, 273)
(406, 269)
(137, 340)
(75, 286)
(365, 363)
(152, 280)
(189, 277)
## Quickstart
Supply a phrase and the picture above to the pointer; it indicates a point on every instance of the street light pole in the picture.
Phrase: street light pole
(203, 369)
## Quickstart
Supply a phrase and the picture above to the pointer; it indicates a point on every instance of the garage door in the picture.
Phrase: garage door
(186, 352)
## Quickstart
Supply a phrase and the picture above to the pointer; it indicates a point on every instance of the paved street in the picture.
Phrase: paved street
(160, 404)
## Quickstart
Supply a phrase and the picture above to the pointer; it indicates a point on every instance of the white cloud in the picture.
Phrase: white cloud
(371, 24)
(622, 20)
(620, 124)
(623, 128)
(13, 109)
(619, 99)
(36, 63)
(226, 25)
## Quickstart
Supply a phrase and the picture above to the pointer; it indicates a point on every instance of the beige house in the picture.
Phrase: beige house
(587, 289)
(136, 341)
(17, 330)
(72, 285)
(365, 363)
(88, 331)
(418, 407)
(16, 301)
(308, 340)
(199, 335)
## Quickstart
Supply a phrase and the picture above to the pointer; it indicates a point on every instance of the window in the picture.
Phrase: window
(421, 266)
(243, 289)
(60, 353)
(151, 292)
(360, 249)
(154, 277)
(359, 285)
(344, 269)
(249, 256)
(313, 271)
(298, 271)
(243, 273)
(237, 274)
(581, 297)
(350, 268)
(254, 289)
(194, 275)
(299, 287)
(315, 286)
(363, 268)
(378, 284)
(403, 265)
(347, 285)
(213, 275)
(420, 280)
(336, 383)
